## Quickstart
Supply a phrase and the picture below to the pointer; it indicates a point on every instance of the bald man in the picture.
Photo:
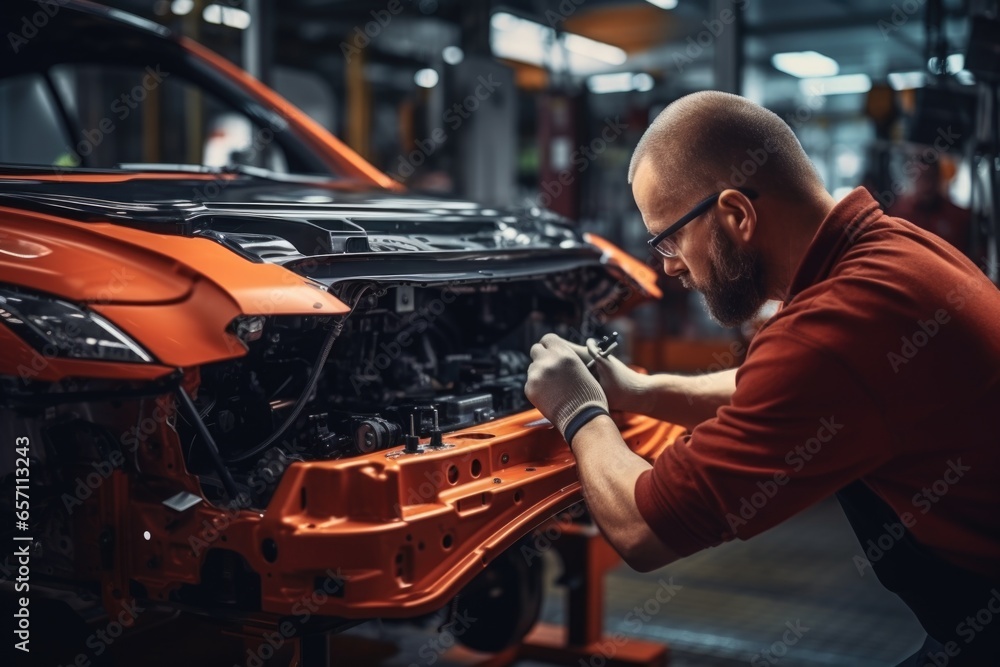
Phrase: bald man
(878, 380)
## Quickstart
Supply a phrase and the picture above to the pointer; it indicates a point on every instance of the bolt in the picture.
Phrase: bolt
(496, 480)
(504, 458)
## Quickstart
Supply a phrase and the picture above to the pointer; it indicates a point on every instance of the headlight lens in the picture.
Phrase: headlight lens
(60, 329)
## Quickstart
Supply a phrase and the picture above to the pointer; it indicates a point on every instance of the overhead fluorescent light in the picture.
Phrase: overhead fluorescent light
(228, 16)
(805, 64)
(844, 84)
(426, 78)
(530, 42)
(591, 47)
(663, 4)
(907, 80)
(519, 39)
(620, 82)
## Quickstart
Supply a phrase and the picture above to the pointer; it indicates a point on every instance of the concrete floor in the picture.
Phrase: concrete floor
(798, 580)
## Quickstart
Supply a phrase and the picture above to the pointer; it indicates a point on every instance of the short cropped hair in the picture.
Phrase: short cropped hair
(711, 141)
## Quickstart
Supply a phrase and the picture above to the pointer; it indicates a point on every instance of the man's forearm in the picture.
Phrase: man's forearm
(686, 400)
(608, 471)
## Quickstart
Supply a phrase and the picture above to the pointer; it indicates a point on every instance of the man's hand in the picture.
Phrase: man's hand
(625, 389)
(559, 384)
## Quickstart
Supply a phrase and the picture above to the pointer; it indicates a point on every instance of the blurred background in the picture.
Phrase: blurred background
(540, 103)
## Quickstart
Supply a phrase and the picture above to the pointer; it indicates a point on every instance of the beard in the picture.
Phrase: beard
(735, 290)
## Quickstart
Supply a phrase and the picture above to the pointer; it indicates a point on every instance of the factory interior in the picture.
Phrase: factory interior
(361, 332)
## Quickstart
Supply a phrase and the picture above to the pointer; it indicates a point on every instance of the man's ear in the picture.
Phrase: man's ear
(737, 216)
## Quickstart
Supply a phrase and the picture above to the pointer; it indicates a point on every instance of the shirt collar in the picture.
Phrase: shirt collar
(840, 229)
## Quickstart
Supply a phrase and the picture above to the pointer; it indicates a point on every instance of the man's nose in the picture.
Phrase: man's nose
(673, 266)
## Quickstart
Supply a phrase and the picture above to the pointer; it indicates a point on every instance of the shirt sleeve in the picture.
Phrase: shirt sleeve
(800, 426)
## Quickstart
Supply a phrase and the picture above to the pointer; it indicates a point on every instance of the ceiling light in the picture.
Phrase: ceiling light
(907, 80)
(844, 84)
(530, 42)
(591, 47)
(426, 78)
(182, 7)
(619, 82)
(519, 39)
(642, 82)
(452, 55)
(805, 64)
(228, 16)
(663, 4)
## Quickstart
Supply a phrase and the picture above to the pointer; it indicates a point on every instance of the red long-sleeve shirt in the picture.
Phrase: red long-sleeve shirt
(883, 365)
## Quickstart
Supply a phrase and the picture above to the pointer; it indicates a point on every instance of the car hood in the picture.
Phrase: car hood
(331, 231)
(355, 220)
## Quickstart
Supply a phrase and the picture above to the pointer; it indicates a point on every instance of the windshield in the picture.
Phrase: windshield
(135, 105)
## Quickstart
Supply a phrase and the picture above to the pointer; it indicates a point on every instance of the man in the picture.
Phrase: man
(877, 380)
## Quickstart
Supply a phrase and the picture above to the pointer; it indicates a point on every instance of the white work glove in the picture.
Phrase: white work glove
(561, 387)
(622, 386)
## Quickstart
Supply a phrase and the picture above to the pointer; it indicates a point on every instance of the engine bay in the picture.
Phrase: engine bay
(404, 360)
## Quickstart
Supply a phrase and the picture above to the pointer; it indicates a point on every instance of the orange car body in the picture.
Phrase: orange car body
(381, 534)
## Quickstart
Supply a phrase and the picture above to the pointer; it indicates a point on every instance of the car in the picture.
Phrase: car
(249, 374)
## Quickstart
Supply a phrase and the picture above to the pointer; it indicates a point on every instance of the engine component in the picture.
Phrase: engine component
(374, 433)
(468, 410)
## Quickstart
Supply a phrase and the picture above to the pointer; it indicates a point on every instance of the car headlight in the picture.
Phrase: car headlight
(60, 329)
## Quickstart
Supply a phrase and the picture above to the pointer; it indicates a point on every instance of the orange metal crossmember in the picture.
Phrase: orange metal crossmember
(381, 535)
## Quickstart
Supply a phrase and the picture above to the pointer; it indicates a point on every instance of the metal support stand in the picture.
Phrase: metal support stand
(587, 557)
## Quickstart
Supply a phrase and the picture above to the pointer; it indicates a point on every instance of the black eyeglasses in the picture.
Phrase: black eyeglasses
(666, 246)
